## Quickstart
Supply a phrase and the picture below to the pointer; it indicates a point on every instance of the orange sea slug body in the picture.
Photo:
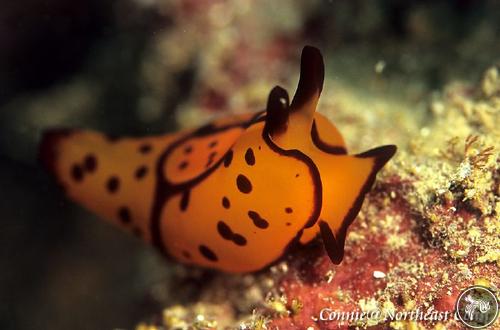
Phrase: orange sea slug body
(232, 195)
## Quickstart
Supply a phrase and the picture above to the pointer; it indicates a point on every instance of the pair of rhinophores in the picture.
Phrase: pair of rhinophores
(233, 195)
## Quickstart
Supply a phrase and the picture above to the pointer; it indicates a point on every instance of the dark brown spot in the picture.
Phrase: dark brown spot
(186, 254)
(184, 200)
(227, 234)
(250, 157)
(228, 159)
(188, 149)
(288, 210)
(90, 163)
(244, 185)
(77, 173)
(211, 158)
(224, 230)
(258, 221)
(112, 138)
(260, 148)
(297, 175)
(141, 172)
(288, 224)
(225, 202)
(207, 253)
(212, 144)
(124, 215)
(137, 232)
(183, 165)
(113, 184)
(239, 240)
(145, 148)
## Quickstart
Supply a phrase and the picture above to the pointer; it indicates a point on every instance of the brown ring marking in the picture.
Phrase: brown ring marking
(165, 190)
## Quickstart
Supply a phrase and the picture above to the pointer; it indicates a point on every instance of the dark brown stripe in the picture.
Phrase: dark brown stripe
(228, 159)
(250, 157)
(211, 159)
(322, 145)
(207, 253)
(258, 221)
(381, 156)
(313, 171)
(332, 247)
(244, 184)
(184, 200)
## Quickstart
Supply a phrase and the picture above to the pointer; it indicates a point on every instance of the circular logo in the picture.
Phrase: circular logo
(477, 307)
